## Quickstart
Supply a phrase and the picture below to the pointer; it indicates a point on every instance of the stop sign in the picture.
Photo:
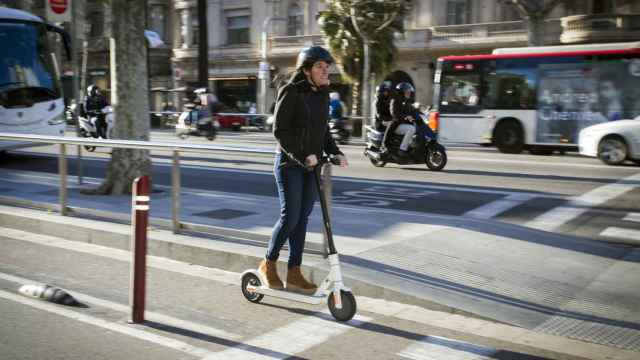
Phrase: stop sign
(58, 6)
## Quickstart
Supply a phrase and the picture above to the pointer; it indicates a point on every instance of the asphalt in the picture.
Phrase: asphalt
(546, 283)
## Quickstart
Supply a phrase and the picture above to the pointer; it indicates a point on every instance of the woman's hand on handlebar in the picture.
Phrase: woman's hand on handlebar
(311, 161)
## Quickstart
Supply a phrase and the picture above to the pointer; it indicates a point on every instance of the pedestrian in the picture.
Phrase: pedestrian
(302, 133)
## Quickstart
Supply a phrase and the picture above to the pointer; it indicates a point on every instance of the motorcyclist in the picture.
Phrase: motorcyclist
(93, 104)
(404, 115)
(383, 110)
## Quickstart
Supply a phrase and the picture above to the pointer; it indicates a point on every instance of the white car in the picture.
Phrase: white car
(612, 142)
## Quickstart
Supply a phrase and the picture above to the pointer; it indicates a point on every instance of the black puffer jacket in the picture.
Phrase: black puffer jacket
(300, 125)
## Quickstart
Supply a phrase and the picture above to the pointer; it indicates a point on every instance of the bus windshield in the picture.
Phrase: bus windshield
(26, 68)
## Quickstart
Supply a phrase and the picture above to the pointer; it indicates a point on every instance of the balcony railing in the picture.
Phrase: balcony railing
(600, 28)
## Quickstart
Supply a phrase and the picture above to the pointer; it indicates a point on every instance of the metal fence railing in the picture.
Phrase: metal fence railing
(175, 148)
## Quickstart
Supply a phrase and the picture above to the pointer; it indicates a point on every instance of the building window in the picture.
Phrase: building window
(195, 28)
(238, 25)
(96, 19)
(295, 20)
(458, 12)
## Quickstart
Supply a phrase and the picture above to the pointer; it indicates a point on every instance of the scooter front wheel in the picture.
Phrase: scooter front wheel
(250, 279)
(348, 309)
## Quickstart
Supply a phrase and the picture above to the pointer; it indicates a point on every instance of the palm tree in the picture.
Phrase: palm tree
(347, 24)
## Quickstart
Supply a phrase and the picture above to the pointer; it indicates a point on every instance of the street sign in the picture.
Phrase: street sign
(58, 11)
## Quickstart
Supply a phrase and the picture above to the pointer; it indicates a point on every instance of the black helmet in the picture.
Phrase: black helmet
(311, 55)
(384, 86)
(405, 86)
(93, 90)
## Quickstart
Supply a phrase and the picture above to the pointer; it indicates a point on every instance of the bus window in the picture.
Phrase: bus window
(512, 84)
(618, 94)
(460, 89)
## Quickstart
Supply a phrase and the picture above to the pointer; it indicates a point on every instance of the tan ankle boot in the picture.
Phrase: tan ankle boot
(297, 283)
(269, 272)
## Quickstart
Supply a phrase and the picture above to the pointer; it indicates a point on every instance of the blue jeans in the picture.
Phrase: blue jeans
(297, 193)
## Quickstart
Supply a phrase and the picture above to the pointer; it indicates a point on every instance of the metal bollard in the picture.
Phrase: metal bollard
(139, 221)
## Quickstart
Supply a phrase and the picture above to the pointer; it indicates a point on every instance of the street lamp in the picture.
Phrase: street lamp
(263, 68)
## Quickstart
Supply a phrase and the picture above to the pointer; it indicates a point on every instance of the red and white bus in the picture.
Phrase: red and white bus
(535, 98)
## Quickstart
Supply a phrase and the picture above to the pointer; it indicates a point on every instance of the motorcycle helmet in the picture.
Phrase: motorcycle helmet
(309, 56)
(405, 86)
(384, 86)
(93, 90)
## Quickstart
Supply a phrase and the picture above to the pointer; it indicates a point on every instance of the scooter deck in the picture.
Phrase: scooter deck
(314, 299)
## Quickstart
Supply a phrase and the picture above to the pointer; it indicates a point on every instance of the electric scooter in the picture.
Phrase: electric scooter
(340, 299)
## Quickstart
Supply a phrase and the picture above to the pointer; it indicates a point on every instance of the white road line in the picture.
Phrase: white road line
(128, 330)
(578, 205)
(438, 348)
(497, 207)
(123, 255)
(634, 216)
(149, 315)
(622, 233)
(290, 339)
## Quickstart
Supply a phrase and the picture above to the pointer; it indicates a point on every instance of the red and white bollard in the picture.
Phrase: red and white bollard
(139, 221)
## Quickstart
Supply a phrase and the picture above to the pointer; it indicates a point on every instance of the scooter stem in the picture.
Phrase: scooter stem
(325, 211)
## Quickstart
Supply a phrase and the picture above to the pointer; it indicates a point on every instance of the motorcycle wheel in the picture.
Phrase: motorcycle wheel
(85, 134)
(436, 157)
(377, 163)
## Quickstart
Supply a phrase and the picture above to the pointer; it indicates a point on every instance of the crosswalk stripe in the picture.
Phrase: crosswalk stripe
(497, 207)
(119, 328)
(290, 339)
(622, 233)
(560, 215)
(634, 216)
(438, 348)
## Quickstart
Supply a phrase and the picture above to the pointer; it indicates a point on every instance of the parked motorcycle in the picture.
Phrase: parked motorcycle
(428, 152)
(340, 130)
(197, 123)
(88, 126)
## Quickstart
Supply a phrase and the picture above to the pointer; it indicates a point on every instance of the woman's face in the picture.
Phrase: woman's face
(407, 94)
(319, 73)
(608, 90)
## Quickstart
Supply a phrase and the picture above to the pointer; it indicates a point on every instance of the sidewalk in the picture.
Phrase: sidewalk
(548, 283)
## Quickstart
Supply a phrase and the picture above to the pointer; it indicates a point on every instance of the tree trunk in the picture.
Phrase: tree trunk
(130, 97)
(535, 30)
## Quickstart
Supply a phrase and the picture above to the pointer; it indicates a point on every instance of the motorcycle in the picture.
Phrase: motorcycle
(196, 123)
(428, 151)
(88, 127)
(340, 130)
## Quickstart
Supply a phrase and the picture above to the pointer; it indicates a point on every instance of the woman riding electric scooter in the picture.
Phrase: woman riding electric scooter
(302, 132)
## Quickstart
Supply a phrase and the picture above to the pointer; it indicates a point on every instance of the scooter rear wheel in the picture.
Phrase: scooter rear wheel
(253, 280)
(436, 157)
(348, 309)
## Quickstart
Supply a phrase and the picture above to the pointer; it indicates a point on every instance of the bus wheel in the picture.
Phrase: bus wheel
(509, 138)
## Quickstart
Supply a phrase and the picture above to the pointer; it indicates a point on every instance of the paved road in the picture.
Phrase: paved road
(192, 313)
(567, 194)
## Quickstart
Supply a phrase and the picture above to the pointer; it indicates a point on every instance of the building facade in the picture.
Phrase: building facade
(244, 69)
(433, 28)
